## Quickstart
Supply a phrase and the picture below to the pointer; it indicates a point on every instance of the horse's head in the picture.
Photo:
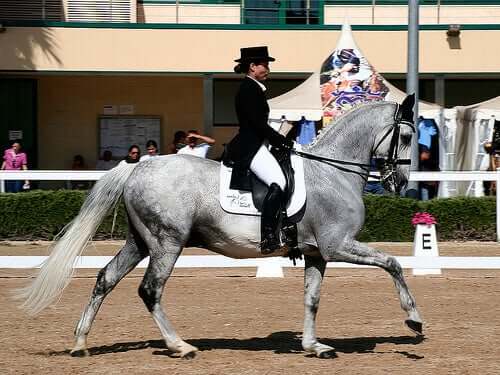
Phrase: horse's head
(393, 146)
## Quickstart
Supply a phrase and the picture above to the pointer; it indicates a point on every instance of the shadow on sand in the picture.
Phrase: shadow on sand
(278, 342)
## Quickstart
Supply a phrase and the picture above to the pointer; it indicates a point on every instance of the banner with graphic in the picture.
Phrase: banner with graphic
(347, 79)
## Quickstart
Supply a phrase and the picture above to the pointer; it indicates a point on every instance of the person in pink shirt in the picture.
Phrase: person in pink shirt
(15, 160)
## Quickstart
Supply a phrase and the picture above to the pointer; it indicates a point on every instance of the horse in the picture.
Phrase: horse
(172, 202)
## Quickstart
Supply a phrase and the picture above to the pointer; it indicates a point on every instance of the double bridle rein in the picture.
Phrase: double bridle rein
(387, 165)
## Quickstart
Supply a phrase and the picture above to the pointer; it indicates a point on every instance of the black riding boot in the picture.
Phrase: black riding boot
(270, 220)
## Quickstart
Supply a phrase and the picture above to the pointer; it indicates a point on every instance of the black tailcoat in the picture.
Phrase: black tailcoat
(252, 111)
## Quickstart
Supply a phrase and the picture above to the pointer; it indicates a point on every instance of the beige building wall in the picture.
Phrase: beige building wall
(398, 14)
(188, 13)
(69, 108)
(199, 51)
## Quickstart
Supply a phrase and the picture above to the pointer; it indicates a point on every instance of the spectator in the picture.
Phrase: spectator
(133, 156)
(152, 149)
(193, 146)
(428, 156)
(178, 142)
(15, 160)
(493, 150)
(79, 165)
(490, 187)
(107, 162)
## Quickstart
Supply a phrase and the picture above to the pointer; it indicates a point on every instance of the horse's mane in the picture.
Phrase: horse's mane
(326, 130)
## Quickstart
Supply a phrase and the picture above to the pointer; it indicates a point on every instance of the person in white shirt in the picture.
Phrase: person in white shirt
(152, 149)
(197, 144)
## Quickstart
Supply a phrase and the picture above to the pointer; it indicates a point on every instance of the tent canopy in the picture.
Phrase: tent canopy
(302, 101)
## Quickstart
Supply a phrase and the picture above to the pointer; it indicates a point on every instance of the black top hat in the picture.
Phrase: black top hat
(250, 54)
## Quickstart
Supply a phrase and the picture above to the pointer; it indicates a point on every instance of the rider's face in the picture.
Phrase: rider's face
(260, 70)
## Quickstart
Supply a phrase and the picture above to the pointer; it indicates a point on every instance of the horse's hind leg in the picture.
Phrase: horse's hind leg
(358, 253)
(313, 276)
(160, 267)
(125, 261)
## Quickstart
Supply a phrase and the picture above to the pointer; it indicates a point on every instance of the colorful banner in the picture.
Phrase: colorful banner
(346, 80)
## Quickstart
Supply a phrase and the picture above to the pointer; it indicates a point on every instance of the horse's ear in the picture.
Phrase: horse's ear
(407, 108)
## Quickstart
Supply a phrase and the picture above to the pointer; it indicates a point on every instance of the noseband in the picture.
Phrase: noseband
(387, 166)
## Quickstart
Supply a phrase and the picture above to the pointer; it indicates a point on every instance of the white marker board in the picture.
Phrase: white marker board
(118, 133)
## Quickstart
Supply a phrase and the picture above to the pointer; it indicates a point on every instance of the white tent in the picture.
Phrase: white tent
(302, 101)
(475, 127)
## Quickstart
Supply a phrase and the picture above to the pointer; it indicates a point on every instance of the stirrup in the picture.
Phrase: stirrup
(269, 244)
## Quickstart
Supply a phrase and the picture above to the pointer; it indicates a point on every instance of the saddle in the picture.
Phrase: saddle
(244, 180)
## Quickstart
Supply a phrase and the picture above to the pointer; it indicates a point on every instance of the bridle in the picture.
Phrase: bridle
(387, 165)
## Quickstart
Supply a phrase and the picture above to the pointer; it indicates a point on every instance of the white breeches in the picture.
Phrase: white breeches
(266, 167)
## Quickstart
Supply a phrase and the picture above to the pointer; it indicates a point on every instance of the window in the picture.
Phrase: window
(288, 12)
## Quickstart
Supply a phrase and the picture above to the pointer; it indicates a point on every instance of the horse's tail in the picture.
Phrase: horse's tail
(55, 273)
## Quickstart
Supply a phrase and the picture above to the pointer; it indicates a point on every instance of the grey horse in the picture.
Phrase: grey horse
(172, 202)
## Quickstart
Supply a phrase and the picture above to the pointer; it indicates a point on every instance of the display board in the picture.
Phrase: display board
(118, 133)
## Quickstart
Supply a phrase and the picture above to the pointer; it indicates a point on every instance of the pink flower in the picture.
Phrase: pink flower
(423, 218)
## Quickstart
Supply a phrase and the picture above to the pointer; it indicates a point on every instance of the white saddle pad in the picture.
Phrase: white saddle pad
(240, 202)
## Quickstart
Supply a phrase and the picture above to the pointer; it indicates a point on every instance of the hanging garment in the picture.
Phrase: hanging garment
(426, 130)
(306, 132)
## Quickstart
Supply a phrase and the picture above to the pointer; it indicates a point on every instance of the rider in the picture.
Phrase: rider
(249, 149)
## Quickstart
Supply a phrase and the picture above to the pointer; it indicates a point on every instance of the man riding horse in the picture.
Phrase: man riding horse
(249, 148)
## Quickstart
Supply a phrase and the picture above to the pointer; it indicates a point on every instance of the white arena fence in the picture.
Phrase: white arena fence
(271, 267)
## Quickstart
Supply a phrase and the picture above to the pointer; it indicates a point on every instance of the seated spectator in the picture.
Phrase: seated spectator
(79, 165)
(107, 162)
(178, 142)
(197, 144)
(15, 160)
(133, 156)
(152, 149)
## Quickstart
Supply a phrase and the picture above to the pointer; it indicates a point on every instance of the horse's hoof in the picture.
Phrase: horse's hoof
(327, 354)
(79, 353)
(320, 350)
(414, 326)
(189, 355)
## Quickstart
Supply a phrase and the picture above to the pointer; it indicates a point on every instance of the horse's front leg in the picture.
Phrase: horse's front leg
(352, 251)
(313, 276)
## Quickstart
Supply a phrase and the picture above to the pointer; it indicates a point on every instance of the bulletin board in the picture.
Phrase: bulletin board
(118, 133)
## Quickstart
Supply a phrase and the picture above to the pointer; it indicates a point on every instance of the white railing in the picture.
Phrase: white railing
(60, 175)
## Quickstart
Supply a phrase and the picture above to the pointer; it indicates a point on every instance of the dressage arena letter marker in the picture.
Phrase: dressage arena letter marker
(425, 245)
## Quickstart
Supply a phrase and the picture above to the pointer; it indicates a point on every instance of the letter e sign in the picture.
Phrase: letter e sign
(426, 240)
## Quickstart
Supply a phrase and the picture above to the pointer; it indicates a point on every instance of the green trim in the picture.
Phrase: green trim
(283, 5)
(153, 26)
(321, 12)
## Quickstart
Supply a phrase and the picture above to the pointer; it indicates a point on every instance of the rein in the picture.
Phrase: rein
(335, 162)
(388, 164)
